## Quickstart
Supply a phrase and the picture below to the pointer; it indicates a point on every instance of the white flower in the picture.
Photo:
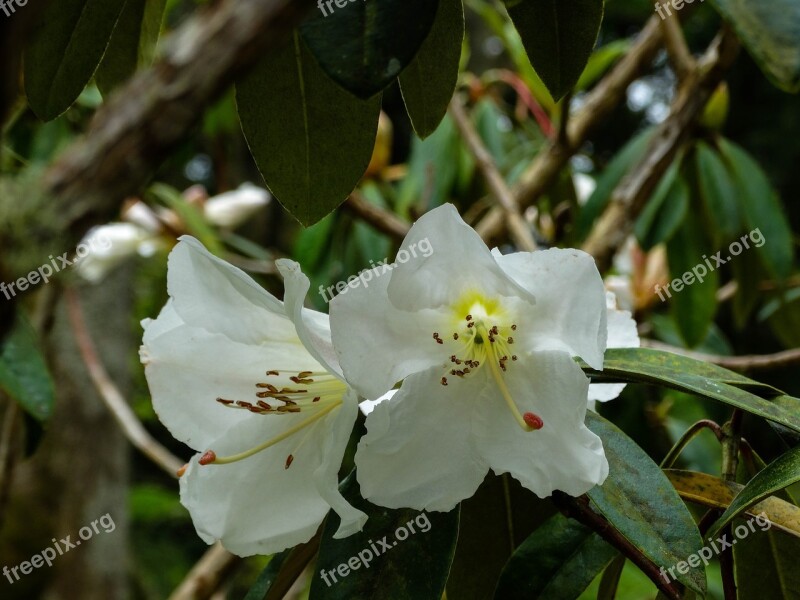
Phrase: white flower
(484, 345)
(253, 385)
(233, 208)
(108, 246)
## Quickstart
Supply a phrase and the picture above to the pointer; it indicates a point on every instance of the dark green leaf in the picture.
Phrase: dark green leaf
(693, 290)
(771, 33)
(23, 371)
(639, 501)
(365, 45)
(267, 577)
(747, 271)
(132, 44)
(429, 81)
(400, 554)
(645, 365)
(762, 210)
(64, 51)
(779, 474)
(558, 36)
(312, 141)
(557, 562)
(665, 211)
(718, 191)
(766, 565)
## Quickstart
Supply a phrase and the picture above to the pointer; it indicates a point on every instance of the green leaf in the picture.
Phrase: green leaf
(693, 291)
(133, 43)
(766, 565)
(312, 141)
(429, 81)
(665, 211)
(762, 210)
(64, 51)
(718, 192)
(779, 474)
(558, 36)
(189, 215)
(601, 61)
(361, 46)
(645, 365)
(399, 554)
(771, 33)
(558, 561)
(640, 502)
(267, 577)
(23, 371)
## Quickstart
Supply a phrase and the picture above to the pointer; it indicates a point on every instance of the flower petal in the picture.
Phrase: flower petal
(438, 272)
(570, 311)
(563, 455)
(622, 333)
(417, 452)
(216, 296)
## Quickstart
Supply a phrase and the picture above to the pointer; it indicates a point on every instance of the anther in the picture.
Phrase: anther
(455, 336)
(510, 340)
(533, 421)
(182, 470)
(317, 398)
(208, 458)
(225, 402)
(289, 461)
(513, 357)
(273, 373)
(444, 381)
(513, 328)
(264, 405)
(469, 317)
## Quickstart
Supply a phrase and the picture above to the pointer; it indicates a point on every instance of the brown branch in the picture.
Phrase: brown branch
(680, 57)
(207, 575)
(603, 99)
(382, 220)
(628, 199)
(112, 397)
(519, 230)
(756, 362)
(157, 109)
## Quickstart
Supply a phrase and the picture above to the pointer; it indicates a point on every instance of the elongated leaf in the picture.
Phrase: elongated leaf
(779, 474)
(64, 52)
(666, 210)
(364, 46)
(718, 190)
(712, 492)
(639, 501)
(557, 562)
(558, 36)
(267, 577)
(762, 210)
(132, 44)
(771, 33)
(601, 61)
(312, 141)
(399, 554)
(766, 565)
(429, 81)
(23, 371)
(645, 365)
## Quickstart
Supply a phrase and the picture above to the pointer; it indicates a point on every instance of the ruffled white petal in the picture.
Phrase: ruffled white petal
(418, 452)
(570, 311)
(622, 333)
(563, 455)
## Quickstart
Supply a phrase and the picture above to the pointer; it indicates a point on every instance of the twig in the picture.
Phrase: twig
(730, 462)
(8, 450)
(207, 575)
(382, 220)
(744, 363)
(112, 397)
(630, 196)
(603, 99)
(519, 230)
(680, 57)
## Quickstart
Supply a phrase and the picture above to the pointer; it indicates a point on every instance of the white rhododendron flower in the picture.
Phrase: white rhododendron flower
(110, 245)
(484, 345)
(233, 208)
(622, 333)
(253, 385)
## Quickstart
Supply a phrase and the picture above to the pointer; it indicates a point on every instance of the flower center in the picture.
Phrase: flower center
(484, 336)
(313, 393)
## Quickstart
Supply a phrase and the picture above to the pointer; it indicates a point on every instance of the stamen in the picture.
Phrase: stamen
(290, 460)
(501, 383)
(208, 458)
(533, 421)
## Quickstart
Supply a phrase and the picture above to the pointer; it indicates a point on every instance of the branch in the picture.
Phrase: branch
(112, 397)
(680, 57)
(754, 362)
(603, 99)
(207, 575)
(630, 196)
(519, 230)
(156, 110)
(382, 220)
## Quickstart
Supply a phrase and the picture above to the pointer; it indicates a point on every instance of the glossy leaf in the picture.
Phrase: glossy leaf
(718, 191)
(399, 554)
(312, 141)
(267, 577)
(639, 501)
(133, 43)
(429, 81)
(762, 210)
(779, 474)
(771, 33)
(665, 212)
(23, 371)
(364, 46)
(64, 50)
(558, 561)
(558, 36)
